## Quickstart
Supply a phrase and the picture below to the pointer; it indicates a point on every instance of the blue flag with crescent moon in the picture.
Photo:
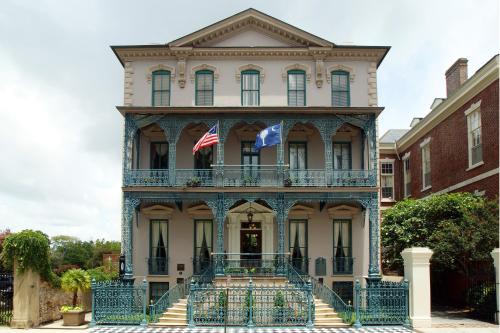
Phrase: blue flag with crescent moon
(268, 137)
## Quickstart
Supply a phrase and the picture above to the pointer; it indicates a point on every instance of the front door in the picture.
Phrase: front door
(251, 248)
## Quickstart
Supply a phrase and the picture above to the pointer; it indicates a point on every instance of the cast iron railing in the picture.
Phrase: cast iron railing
(345, 311)
(6, 297)
(382, 303)
(342, 265)
(250, 264)
(118, 303)
(249, 176)
(250, 305)
(165, 301)
(158, 266)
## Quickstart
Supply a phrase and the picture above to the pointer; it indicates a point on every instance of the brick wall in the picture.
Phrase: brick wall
(449, 150)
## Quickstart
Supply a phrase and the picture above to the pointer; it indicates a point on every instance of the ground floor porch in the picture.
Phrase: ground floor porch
(169, 237)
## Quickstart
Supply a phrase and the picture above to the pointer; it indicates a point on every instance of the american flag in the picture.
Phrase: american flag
(208, 139)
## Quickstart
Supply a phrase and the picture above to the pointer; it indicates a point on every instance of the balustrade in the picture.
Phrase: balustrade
(250, 176)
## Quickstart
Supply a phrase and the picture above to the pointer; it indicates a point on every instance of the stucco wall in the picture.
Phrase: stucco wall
(181, 243)
(227, 89)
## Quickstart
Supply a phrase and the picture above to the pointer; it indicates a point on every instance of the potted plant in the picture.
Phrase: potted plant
(74, 280)
(279, 312)
(287, 182)
(193, 182)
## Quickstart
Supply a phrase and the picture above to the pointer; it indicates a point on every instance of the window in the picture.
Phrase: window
(296, 88)
(297, 154)
(157, 290)
(250, 159)
(250, 88)
(345, 290)
(158, 249)
(161, 88)
(203, 158)
(342, 249)
(407, 176)
(298, 248)
(202, 245)
(426, 166)
(474, 139)
(341, 155)
(387, 180)
(204, 88)
(340, 89)
(159, 155)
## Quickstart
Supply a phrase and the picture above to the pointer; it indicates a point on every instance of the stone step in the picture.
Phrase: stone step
(172, 310)
(174, 315)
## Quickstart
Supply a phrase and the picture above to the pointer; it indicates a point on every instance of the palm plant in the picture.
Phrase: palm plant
(75, 280)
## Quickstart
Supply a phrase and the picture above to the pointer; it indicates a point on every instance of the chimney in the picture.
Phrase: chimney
(456, 75)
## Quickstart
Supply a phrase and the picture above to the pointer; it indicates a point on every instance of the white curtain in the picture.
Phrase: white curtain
(164, 233)
(155, 237)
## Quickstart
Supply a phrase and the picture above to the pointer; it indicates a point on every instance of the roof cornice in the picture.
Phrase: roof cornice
(143, 52)
(485, 76)
(179, 110)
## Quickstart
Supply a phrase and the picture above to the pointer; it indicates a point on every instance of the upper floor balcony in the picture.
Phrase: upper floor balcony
(312, 155)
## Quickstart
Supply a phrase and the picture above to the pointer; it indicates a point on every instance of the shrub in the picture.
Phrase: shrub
(30, 249)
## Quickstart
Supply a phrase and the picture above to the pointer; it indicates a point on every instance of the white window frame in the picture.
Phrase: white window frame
(387, 161)
(426, 144)
(406, 159)
(475, 107)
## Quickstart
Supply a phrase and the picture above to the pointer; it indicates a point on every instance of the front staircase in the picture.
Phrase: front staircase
(325, 316)
(175, 316)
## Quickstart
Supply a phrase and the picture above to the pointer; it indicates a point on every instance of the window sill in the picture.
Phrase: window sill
(387, 200)
(475, 166)
(426, 188)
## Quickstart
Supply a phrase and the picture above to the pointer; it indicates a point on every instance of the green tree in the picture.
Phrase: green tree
(70, 251)
(458, 227)
(75, 280)
(101, 247)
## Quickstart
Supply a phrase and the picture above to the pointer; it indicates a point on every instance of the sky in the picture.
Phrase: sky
(61, 136)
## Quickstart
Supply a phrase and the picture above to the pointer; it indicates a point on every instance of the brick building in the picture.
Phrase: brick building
(453, 148)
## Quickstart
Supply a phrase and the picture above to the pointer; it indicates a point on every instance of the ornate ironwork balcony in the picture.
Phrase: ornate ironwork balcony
(249, 177)
(158, 266)
(354, 178)
(343, 265)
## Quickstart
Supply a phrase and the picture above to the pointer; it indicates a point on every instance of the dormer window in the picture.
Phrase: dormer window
(296, 88)
(161, 88)
(250, 88)
(204, 88)
(340, 89)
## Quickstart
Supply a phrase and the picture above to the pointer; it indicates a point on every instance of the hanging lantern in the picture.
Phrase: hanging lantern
(250, 214)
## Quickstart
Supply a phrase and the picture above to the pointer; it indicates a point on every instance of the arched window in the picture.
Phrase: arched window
(250, 88)
(296, 88)
(161, 88)
(340, 89)
(204, 94)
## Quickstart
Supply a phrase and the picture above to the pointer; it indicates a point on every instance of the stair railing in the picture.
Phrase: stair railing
(165, 301)
(345, 311)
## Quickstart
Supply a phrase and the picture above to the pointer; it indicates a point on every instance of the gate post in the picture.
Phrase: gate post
(357, 301)
(417, 272)
(144, 287)
(250, 302)
(495, 254)
(92, 290)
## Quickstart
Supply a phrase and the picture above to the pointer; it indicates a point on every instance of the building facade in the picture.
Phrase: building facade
(452, 149)
(311, 201)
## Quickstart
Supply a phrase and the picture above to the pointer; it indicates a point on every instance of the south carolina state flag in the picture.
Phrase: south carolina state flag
(268, 137)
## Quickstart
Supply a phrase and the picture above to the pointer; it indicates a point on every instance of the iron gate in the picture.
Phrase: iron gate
(6, 296)
(382, 303)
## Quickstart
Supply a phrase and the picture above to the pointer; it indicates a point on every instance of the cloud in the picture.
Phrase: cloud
(60, 135)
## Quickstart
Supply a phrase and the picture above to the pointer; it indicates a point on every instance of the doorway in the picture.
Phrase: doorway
(251, 247)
